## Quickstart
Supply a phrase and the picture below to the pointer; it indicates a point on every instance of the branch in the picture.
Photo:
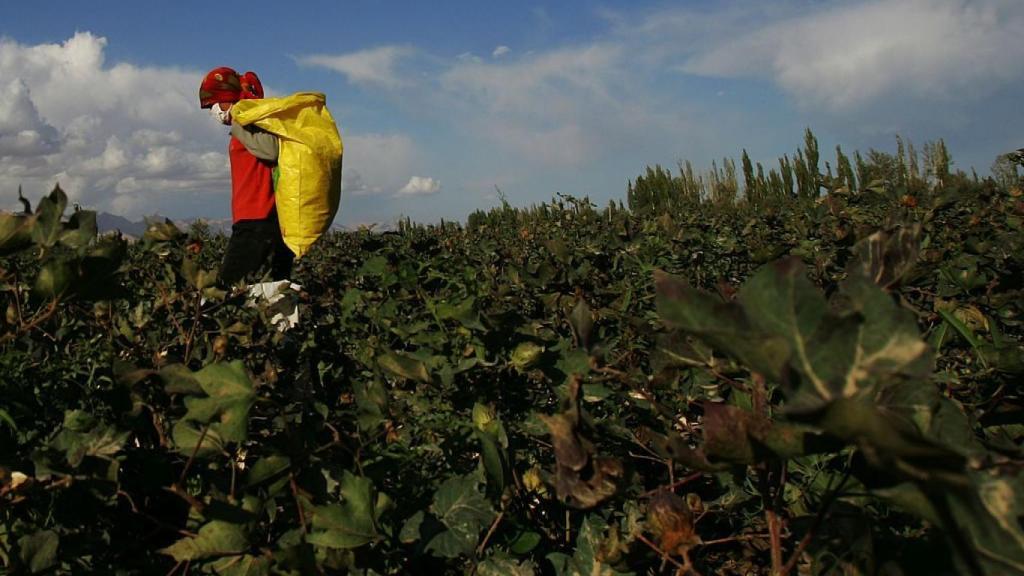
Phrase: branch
(823, 512)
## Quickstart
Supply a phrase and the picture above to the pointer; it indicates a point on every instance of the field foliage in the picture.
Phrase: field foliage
(800, 369)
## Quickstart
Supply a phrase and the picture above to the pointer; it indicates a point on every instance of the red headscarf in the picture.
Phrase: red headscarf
(251, 86)
(223, 84)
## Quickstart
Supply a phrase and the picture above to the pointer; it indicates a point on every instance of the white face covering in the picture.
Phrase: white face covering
(222, 116)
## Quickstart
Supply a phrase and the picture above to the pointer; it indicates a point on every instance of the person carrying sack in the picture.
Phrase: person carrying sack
(253, 153)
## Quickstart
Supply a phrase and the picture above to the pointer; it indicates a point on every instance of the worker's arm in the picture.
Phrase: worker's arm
(259, 143)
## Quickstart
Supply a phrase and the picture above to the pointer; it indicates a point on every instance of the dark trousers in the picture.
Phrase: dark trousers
(252, 242)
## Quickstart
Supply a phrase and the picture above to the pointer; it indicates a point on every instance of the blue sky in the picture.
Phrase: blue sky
(443, 104)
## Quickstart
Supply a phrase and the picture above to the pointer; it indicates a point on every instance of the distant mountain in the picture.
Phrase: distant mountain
(222, 225)
(107, 222)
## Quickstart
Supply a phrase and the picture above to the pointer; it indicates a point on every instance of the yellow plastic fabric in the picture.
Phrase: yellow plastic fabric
(308, 188)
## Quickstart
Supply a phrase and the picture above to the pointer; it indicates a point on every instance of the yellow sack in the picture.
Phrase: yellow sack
(308, 187)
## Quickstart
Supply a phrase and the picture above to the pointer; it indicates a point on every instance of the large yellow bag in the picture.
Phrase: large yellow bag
(308, 187)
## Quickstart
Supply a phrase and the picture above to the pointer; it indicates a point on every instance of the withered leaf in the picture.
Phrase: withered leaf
(582, 479)
(671, 521)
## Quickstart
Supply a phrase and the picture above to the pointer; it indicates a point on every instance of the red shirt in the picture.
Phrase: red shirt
(252, 185)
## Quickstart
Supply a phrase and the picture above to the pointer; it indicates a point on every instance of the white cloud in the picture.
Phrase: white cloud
(120, 135)
(847, 55)
(377, 163)
(420, 186)
(469, 57)
(117, 137)
(371, 67)
(559, 108)
(558, 74)
(568, 144)
(551, 107)
(132, 139)
(22, 131)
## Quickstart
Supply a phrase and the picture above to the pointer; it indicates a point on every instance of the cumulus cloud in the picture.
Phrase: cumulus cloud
(22, 131)
(121, 135)
(132, 140)
(559, 74)
(375, 67)
(846, 55)
(116, 137)
(420, 186)
(377, 163)
(469, 57)
(560, 107)
(551, 107)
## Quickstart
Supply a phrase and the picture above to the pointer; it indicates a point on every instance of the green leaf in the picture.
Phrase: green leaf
(241, 566)
(891, 442)
(187, 436)
(267, 468)
(462, 509)
(559, 249)
(464, 313)
(411, 528)
(526, 542)
(372, 399)
(84, 435)
(582, 321)
(885, 258)
(157, 231)
(56, 278)
(352, 523)
(374, 266)
(781, 324)
(966, 332)
(495, 461)
(229, 395)
(39, 551)
(15, 232)
(889, 345)
(178, 379)
(49, 211)
(573, 361)
(196, 276)
(98, 268)
(981, 519)
(6, 419)
(722, 325)
(936, 417)
(503, 566)
(590, 554)
(80, 229)
(781, 301)
(993, 526)
(404, 366)
(215, 539)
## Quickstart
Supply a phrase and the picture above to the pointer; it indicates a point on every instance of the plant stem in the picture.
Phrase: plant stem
(664, 555)
(775, 534)
(671, 487)
(494, 525)
(298, 504)
(188, 464)
(823, 512)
